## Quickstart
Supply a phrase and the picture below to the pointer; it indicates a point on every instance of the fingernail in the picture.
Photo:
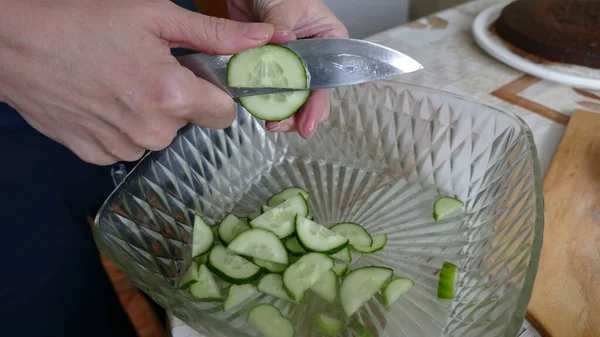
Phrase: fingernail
(310, 126)
(256, 31)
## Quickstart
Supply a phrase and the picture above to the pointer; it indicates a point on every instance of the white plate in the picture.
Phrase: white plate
(574, 76)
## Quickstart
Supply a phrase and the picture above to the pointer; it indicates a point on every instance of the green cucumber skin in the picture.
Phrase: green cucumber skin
(291, 251)
(373, 251)
(446, 294)
(228, 279)
(283, 117)
(272, 201)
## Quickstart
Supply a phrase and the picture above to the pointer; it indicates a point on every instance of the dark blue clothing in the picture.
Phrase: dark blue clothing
(52, 282)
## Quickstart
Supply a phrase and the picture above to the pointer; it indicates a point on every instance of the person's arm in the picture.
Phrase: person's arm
(98, 76)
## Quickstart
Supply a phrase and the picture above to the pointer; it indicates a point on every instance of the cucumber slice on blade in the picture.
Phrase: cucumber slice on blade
(379, 243)
(447, 281)
(272, 66)
(281, 219)
(444, 206)
(326, 286)
(237, 294)
(231, 267)
(327, 325)
(316, 238)
(206, 288)
(354, 232)
(285, 194)
(261, 244)
(360, 285)
(394, 289)
(189, 277)
(230, 227)
(272, 284)
(202, 237)
(302, 274)
(269, 321)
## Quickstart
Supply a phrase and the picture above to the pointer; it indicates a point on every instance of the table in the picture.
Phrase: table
(443, 43)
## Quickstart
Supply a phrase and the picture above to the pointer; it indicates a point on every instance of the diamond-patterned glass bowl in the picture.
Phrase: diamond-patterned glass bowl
(386, 153)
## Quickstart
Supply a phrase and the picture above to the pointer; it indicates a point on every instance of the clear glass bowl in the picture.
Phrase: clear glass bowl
(386, 153)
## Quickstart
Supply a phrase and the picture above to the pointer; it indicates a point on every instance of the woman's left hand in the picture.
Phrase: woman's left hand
(294, 19)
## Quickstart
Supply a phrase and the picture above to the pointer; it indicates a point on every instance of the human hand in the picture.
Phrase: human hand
(98, 76)
(294, 19)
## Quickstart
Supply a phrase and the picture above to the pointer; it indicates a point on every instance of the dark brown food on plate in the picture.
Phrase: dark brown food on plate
(566, 31)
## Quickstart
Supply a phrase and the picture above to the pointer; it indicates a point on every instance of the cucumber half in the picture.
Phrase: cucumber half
(237, 294)
(360, 285)
(271, 66)
(231, 267)
(343, 255)
(447, 281)
(285, 194)
(272, 284)
(269, 321)
(327, 325)
(280, 220)
(394, 289)
(270, 266)
(202, 237)
(316, 238)
(326, 286)
(356, 233)
(293, 246)
(379, 243)
(189, 277)
(206, 288)
(261, 244)
(302, 274)
(444, 206)
(230, 227)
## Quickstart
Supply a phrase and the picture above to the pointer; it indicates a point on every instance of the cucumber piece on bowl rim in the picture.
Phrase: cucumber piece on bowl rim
(273, 66)
(444, 206)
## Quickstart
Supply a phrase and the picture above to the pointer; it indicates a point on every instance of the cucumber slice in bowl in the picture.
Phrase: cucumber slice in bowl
(356, 233)
(280, 220)
(326, 286)
(272, 66)
(444, 206)
(343, 255)
(189, 277)
(394, 289)
(230, 227)
(202, 237)
(206, 288)
(316, 238)
(379, 243)
(302, 274)
(231, 267)
(253, 215)
(447, 281)
(272, 284)
(360, 285)
(285, 194)
(270, 266)
(359, 330)
(339, 268)
(293, 246)
(269, 321)
(261, 244)
(327, 325)
(237, 294)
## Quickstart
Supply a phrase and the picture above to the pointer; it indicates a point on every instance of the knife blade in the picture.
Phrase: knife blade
(329, 63)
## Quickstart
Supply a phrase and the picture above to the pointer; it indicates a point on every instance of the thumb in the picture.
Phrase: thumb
(211, 35)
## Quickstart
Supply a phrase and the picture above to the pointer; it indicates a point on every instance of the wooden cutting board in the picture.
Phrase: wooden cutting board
(566, 294)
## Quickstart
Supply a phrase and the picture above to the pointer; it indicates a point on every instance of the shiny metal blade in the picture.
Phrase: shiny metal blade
(330, 63)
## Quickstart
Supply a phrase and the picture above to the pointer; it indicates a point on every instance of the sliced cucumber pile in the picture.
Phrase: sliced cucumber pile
(327, 325)
(269, 321)
(237, 294)
(271, 66)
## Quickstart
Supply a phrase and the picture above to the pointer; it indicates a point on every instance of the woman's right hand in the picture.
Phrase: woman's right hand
(98, 76)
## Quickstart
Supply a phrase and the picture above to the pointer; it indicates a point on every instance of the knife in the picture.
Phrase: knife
(330, 63)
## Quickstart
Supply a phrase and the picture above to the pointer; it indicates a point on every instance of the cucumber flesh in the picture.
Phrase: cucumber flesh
(327, 325)
(359, 330)
(269, 321)
(293, 246)
(326, 286)
(379, 242)
(343, 255)
(189, 277)
(206, 288)
(339, 268)
(237, 294)
(360, 285)
(253, 216)
(272, 284)
(354, 232)
(230, 227)
(394, 289)
(280, 220)
(285, 194)
(202, 237)
(316, 238)
(270, 266)
(269, 66)
(265, 208)
(444, 206)
(447, 281)
(231, 267)
(310, 217)
(260, 243)
(302, 274)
